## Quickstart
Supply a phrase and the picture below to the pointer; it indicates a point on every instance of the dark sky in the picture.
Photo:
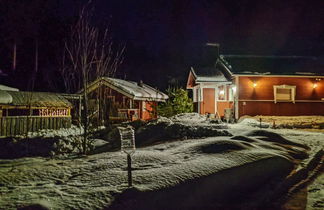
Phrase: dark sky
(162, 36)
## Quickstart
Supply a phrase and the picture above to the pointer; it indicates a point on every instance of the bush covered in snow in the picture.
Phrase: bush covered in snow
(182, 126)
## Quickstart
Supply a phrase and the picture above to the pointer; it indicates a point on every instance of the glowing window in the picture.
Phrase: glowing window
(284, 93)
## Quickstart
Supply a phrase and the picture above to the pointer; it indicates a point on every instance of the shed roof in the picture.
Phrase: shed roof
(5, 97)
(273, 65)
(4, 87)
(129, 88)
(36, 99)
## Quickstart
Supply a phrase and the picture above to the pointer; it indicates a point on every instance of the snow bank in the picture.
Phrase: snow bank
(63, 132)
(207, 173)
(190, 172)
(179, 127)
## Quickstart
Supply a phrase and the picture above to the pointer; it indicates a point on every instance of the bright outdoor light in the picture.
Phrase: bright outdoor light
(234, 89)
(222, 92)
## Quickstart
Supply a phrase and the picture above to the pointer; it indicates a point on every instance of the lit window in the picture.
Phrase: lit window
(221, 93)
(284, 93)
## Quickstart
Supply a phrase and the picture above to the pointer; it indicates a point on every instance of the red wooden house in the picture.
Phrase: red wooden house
(258, 85)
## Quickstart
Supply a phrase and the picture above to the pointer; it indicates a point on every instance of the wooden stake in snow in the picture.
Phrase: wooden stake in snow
(127, 140)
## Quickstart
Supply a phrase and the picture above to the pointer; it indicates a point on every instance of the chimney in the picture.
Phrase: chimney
(141, 84)
(210, 54)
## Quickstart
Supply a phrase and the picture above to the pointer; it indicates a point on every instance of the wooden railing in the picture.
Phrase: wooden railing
(21, 125)
(126, 115)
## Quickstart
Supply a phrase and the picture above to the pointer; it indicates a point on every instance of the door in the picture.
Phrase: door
(208, 105)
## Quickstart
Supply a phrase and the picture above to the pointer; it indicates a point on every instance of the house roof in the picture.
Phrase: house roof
(208, 74)
(35, 99)
(134, 90)
(274, 65)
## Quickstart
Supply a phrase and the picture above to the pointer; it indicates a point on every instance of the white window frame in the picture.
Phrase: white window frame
(292, 89)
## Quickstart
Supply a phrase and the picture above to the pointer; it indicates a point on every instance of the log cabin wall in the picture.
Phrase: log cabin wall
(258, 99)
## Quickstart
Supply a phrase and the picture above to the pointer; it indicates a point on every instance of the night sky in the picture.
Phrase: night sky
(162, 37)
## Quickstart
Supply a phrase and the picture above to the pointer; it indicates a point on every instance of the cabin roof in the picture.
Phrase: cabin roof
(134, 90)
(274, 65)
(35, 99)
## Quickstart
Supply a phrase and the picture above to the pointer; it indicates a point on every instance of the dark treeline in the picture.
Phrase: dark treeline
(162, 37)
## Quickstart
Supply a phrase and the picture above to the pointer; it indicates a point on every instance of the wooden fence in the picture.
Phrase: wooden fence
(20, 125)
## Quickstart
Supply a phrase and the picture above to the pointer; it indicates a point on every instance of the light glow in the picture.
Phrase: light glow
(315, 85)
(234, 89)
(222, 92)
(254, 84)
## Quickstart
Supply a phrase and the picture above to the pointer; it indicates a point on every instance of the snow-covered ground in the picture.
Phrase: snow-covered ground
(217, 165)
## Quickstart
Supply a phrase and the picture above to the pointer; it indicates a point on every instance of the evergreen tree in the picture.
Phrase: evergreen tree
(178, 102)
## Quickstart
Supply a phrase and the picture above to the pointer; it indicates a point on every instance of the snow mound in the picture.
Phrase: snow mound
(208, 172)
(179, 127)
(63, 132)
(189, 118)
(273, 137)
(182, 174)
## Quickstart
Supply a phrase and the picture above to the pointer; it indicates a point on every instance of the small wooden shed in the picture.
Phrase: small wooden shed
(22, 112)
(112, 99)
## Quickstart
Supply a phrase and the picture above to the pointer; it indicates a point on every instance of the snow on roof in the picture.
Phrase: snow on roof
(4, 87)
(273, 65)
(208, 74)
(131, 89)
(37, 99)
(5, 98)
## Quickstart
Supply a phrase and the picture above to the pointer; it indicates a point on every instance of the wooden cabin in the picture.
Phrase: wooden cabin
(22, 112)
(257, 85)
(112, 99)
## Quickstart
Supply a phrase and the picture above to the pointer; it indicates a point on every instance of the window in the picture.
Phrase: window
(231, 93)
(284, 93)
(221, 93)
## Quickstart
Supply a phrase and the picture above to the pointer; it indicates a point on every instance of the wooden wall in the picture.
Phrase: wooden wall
(20, 125)
(147, 112)
(253, 108)
(264, 88)
(259, 100)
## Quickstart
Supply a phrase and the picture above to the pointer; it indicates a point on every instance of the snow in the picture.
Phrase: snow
(140, 92)
(4, 87)
(223, 164)
(5, 97)
(62, 132)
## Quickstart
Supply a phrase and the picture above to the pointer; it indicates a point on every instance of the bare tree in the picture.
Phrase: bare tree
(88, 55)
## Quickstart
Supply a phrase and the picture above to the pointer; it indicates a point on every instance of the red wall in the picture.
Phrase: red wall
(250, 99)
(264, 88)
(221, 106)
(147, 113)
